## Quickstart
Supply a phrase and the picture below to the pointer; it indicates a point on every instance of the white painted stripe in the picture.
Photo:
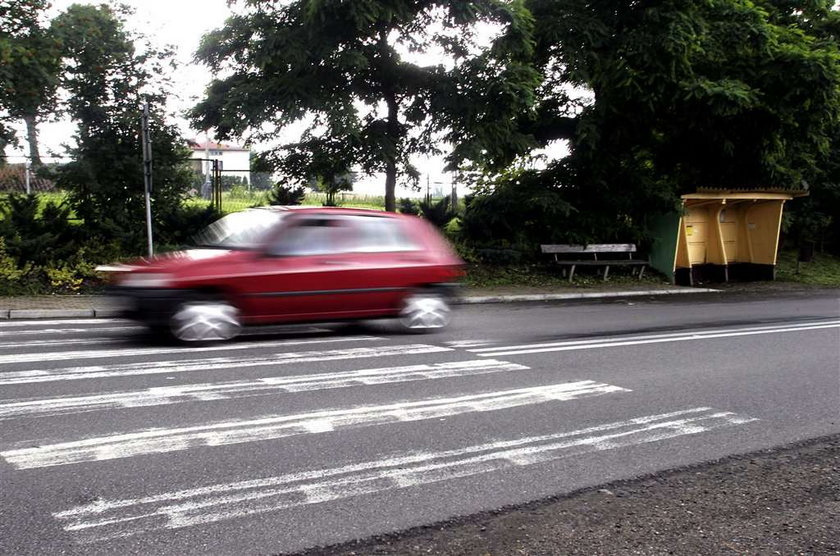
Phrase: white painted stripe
(468, 343)
(158, 440)
(243, 388)
(134, 352)
(60, 342)
(116, 518)
(61, 331)
(55, 322)
(692, 334)
(217, 363)
(642, 340)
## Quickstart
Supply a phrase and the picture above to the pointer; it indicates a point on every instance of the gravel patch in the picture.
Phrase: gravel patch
(784, 501)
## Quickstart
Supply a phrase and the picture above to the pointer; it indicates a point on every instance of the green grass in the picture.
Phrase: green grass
(824, 270)
(241, 200)
(542, 276)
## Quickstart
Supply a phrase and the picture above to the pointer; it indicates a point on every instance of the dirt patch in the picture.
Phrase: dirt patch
(785, 501)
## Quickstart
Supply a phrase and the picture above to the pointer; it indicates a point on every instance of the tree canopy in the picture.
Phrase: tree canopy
(342, 68)
(678, 95)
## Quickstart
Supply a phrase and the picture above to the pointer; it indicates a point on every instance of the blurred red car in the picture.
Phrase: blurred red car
(295, 264)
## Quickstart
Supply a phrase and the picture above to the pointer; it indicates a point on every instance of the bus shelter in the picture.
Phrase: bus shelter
(725, 235)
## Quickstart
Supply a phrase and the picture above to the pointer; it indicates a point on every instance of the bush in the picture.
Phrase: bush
(177, 227)
(408, 206)
(282, 195)
(439, 213)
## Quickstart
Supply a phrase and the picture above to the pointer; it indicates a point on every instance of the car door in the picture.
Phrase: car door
(306, 272)
(388, 262)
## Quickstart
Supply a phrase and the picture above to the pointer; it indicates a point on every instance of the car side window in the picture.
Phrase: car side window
(311, 236)
(378, 234)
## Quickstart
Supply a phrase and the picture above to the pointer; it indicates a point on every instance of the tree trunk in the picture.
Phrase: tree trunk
(391, 156)
(32, 139)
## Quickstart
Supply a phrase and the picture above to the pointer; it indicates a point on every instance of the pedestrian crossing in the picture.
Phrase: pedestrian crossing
(451, 388)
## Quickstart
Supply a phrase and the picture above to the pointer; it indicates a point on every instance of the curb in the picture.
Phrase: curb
(21, 314)
(566, 296)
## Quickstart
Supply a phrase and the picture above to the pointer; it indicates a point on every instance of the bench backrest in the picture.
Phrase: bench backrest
(592, 248)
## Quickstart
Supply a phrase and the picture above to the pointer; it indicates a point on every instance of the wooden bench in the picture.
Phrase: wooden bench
(603, 254)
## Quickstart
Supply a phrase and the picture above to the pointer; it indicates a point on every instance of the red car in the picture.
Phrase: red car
(295, 264)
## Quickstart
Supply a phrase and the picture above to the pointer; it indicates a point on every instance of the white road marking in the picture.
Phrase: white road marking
(270, 427)
(59, 331)
(56, 322)
(134, 352)
(60, 342)
(619, 341)
(468, 343)
(117, 518)
(243, 388)
(217, 363)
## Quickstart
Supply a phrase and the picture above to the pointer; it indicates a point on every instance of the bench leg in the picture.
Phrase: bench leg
(606, 272)
(571, 273)
(641, 271)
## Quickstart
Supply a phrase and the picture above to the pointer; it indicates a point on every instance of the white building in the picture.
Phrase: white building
(233, 159)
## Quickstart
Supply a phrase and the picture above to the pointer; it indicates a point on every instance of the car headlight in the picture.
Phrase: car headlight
(146, 280)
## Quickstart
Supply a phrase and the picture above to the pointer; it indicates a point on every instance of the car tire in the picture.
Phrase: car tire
(425, 310)
(202, 320)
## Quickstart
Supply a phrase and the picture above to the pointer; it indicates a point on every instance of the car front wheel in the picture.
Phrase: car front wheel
(205, 321)
(425, 310)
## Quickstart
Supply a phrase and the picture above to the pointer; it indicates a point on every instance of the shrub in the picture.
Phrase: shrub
(408, 206)
(282, 194)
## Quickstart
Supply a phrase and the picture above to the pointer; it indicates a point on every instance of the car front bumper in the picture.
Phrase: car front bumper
(152, 306)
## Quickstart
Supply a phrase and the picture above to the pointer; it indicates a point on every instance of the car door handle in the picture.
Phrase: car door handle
(331, 262)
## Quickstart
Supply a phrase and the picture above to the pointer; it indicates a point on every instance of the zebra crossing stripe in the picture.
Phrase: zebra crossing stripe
(119, 518)
(243, 388)
(160, 440)
(619, 341)
(18, 358)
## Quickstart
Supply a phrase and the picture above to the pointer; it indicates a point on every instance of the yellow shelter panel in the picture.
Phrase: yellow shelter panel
(696, 232)
(763, 220)
(728, 219)
(681, 259)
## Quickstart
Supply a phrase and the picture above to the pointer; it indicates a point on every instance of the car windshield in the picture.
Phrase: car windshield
(239, 230)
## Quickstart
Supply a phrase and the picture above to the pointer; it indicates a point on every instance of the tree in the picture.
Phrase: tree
(30, 68)
(678, 95)
(108, 83)
(338, 66)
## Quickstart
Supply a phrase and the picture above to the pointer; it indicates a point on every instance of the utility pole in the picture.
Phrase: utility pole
(147, 174)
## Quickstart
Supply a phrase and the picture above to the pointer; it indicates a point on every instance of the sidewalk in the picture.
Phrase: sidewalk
(99, 306)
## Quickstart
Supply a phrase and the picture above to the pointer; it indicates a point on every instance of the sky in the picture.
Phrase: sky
(182, 23)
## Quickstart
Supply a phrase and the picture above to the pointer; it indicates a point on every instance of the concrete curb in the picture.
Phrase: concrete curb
(33, 314)
(566, 296)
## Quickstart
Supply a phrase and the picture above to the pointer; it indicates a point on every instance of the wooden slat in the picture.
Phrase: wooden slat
(593, 248)
(618, 262)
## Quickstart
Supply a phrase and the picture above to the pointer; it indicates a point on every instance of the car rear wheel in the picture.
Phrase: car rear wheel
(425, 310)
(205, 320)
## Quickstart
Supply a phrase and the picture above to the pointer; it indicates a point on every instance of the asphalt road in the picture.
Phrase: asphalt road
(293, 438)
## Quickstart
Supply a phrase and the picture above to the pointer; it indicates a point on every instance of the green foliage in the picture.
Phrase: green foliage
(517, 210)
(108, 84)
(284, 195)
(338, 65)
(438, 212)
(408, 206)
(36, 235)
(177, 227)
(30, 65)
